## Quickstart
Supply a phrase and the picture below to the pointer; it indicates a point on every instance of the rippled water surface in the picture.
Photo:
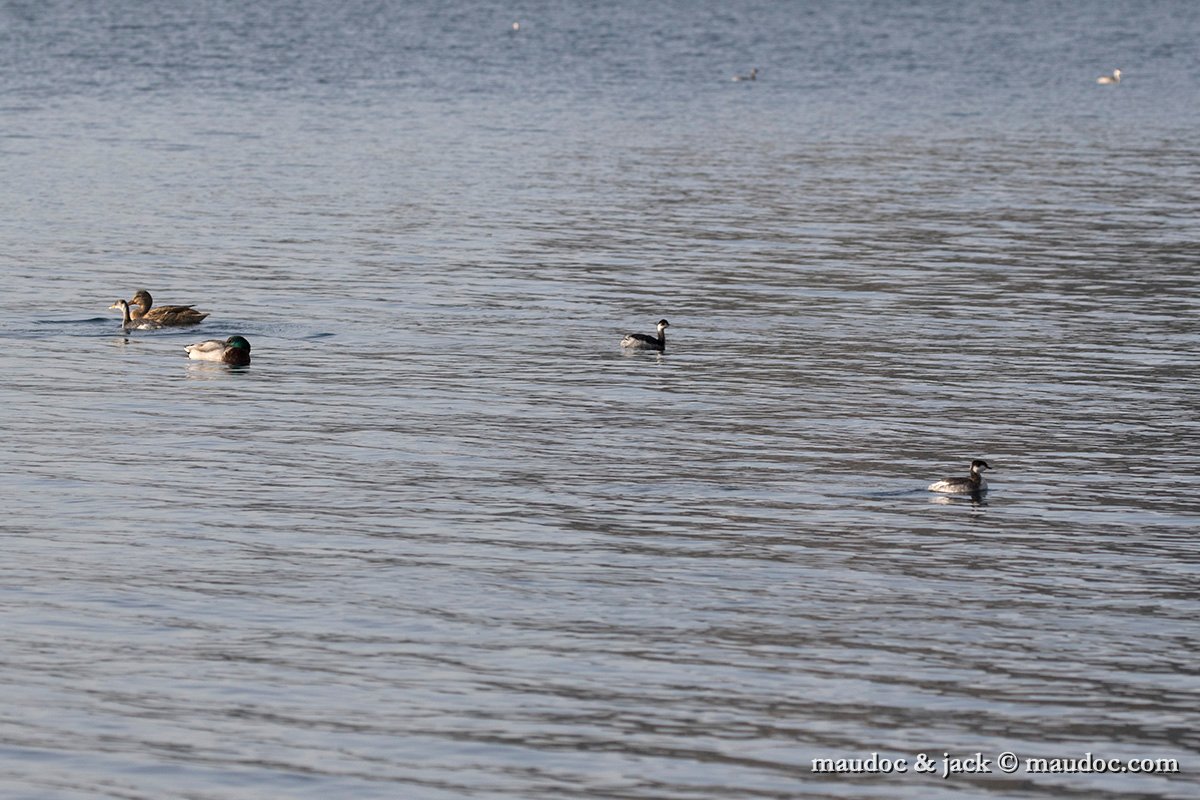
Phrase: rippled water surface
(443, 539)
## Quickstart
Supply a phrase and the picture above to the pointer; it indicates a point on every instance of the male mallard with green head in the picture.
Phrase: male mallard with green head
(234, 351)
(163, 315)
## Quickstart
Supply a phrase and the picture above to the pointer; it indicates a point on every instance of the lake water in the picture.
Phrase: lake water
(443, 539)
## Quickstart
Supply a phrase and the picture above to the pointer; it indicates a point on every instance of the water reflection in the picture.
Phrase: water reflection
(210, 370)
(974, 498)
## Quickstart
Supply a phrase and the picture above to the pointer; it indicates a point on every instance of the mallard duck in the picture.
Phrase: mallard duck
(642, 341)
(163, 315)
(973, 484)
(127, 320)
(235, 350)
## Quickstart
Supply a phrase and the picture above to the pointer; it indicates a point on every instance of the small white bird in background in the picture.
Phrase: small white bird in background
(516, 26)
(1110, 79)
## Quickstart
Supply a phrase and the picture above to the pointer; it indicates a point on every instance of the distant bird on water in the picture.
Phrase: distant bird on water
(1110, 79)
(516, 26)
(752, 75)
(642, 341)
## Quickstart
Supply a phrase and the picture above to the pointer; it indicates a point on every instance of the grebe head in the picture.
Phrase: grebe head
(979, 465)
(662, 323)
(123, 307)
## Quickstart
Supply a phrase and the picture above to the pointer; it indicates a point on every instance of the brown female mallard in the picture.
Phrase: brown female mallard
(140, 309)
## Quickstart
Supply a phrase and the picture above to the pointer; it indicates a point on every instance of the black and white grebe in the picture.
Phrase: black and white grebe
(642, 341)
(972, 484)
(127, 320)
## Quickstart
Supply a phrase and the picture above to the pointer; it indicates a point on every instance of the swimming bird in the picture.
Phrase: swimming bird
(973, 484)
(127, 320)
(235, 351)
(1107, 79)
(751, 76)
(163, 315)
(642, 341)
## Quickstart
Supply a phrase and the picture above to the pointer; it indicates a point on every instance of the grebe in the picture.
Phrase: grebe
(973, 484)
(641, 341)
(163, 315)
(127, 320)
(752, 76)
(1114, 78)
(235, 350)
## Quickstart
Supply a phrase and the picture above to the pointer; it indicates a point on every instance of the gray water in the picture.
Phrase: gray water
(442, 539)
